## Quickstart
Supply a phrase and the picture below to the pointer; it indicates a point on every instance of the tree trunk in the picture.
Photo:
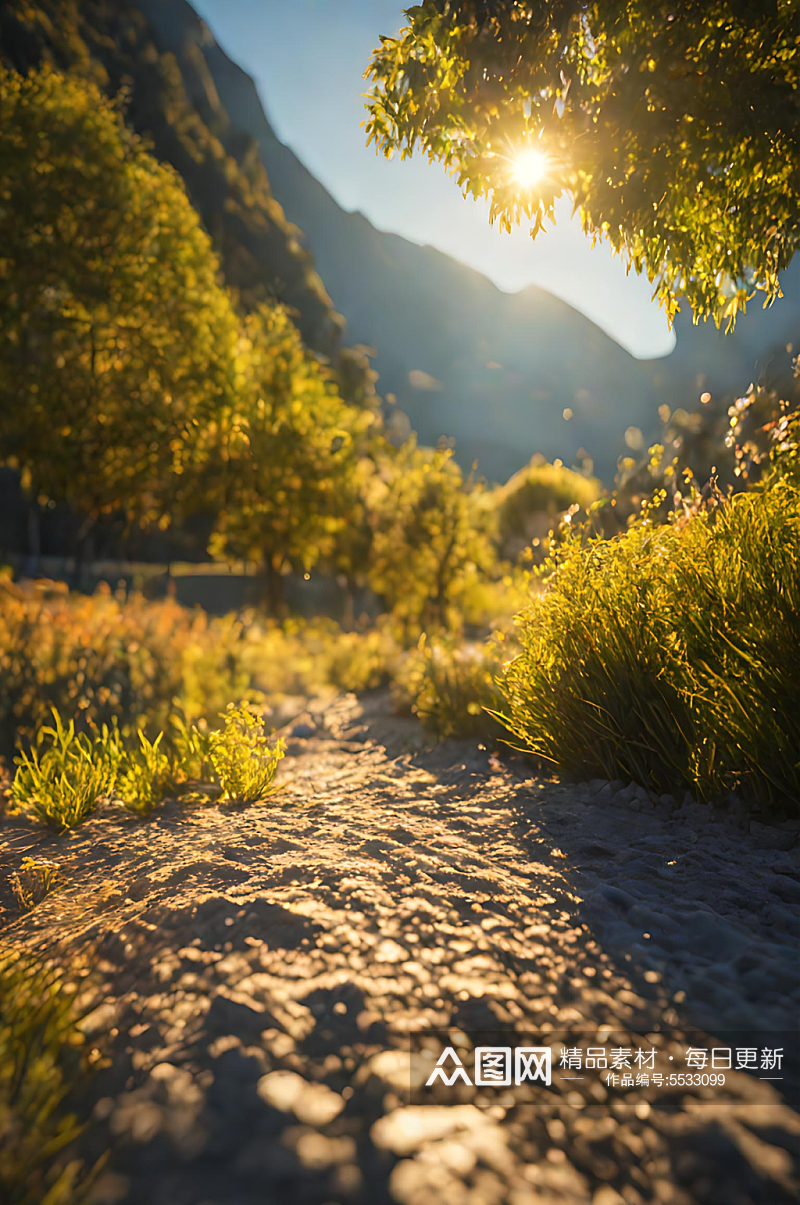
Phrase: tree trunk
(273, 591)
(33, 560)
(81, 547)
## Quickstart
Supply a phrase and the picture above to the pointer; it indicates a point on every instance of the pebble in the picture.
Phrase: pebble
(303, 732)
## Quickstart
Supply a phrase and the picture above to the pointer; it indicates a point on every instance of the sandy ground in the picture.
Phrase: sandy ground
(261, 974)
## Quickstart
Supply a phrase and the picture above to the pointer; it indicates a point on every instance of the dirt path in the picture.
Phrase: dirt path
(264, 969)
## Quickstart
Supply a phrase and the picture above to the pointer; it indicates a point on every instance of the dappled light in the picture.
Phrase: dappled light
(379, 825)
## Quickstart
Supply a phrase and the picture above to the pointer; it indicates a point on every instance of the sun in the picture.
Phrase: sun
(530, 167)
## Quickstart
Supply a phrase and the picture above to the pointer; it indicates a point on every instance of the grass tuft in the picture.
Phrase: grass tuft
(34, 881)
(62, 779)
(40, 1062)
(669, 654)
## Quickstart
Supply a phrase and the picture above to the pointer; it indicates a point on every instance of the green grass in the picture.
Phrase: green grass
(40, 1062)
(66, 774)
(452, 687)
(670, 654)
(145, 775)
(63, 777)
(34, 881)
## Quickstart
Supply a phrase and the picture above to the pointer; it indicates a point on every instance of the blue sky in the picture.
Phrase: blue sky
(307, 58)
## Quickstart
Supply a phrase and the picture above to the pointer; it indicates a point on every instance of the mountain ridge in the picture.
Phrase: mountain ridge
(429, 316)
(606, 388)
(500, 375)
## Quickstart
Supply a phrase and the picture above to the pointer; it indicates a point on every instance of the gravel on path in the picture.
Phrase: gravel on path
(260, 975)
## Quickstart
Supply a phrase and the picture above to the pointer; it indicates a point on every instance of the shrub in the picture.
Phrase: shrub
(243, 758)
(533, 501)
(40, 1061)
(731, 444)
(102, 660)
(189, 748)
(453, 687)
(101, 657)
(669, 654)
(358, 661)
(145, 776)
(34, 881)
(62, 778)
(490, 604)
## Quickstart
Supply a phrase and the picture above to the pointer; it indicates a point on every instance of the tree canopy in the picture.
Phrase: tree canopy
(431, 536)
(290, 448)
(673, 127)
(118, 342)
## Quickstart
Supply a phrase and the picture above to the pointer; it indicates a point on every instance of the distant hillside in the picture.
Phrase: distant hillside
(464, 361)
(495, 371)
(112, 41)
(758, 348)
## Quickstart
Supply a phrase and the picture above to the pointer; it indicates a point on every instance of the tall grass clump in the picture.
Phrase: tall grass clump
(63, 777)
(670, 654)
(40, 1062)
(452, 686)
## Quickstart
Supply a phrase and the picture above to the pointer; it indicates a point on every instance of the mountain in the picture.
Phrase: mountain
(759, 348)
(114, 44)
(463, 361)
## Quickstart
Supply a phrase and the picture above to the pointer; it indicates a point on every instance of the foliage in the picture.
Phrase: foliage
(157, 666)
(100, 657)
(62, 778)
(243, 758)
(785, 456)
(40, 1060)
(668, 654)
(189, 747)
(535, 498)
(431, 538)
(289, 450)
(727, 444)
(34, 881)
(616, 98)
(145, 776)
(361, 660)
(118, 345)
(114, 667)
(452, 686)
(61, 786)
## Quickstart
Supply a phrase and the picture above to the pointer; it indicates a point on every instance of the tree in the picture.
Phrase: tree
(118, 344)
(673, 127)
(431, 536)
(289, 451)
